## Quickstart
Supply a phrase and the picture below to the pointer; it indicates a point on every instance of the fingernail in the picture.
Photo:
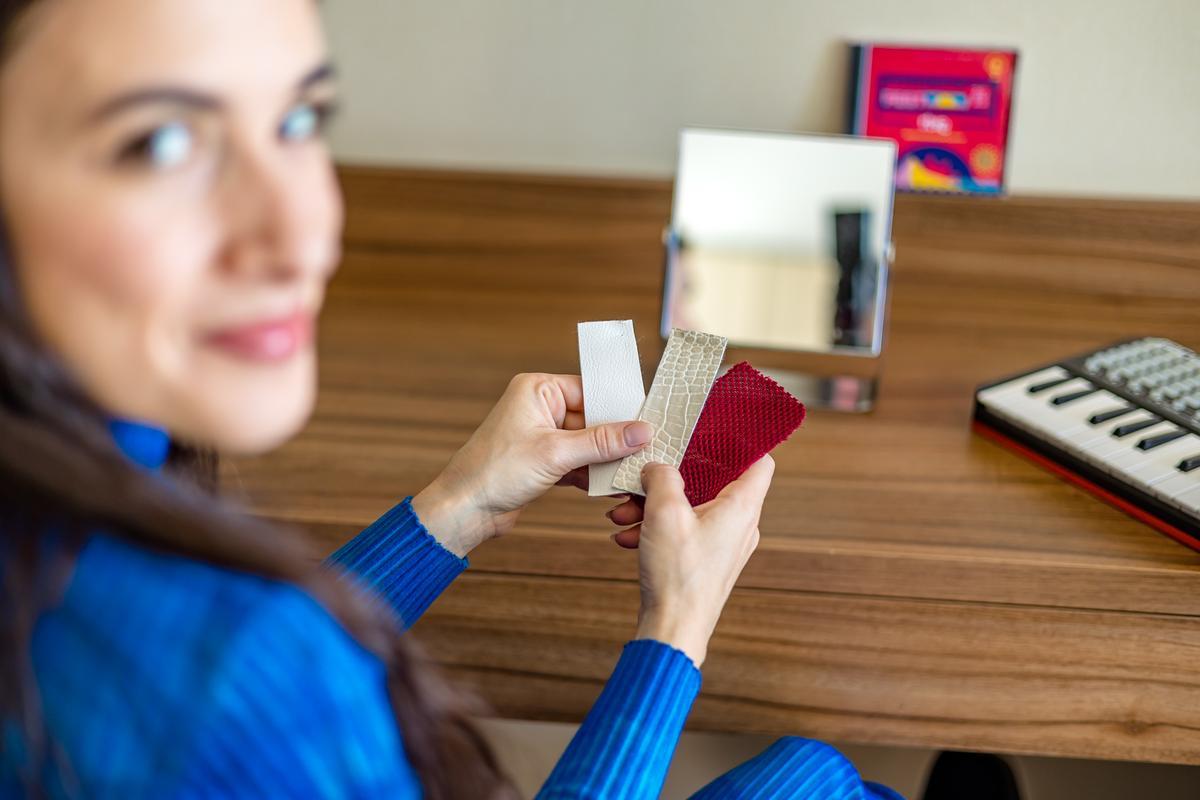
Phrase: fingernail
(638, 433)
(608, 513)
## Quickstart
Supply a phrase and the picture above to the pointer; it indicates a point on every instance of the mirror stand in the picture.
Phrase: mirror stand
(835, 382)
(847, 393)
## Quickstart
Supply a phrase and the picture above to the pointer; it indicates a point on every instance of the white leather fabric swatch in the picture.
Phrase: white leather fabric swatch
(681, 385)
(612, 386)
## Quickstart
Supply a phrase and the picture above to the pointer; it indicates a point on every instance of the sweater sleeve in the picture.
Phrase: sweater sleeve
(400, 559)
(625, 744)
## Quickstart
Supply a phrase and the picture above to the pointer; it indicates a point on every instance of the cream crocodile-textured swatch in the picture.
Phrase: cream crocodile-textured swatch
(681, 385)
(612, 386)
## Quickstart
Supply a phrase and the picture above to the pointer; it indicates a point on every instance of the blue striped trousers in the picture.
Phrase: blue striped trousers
(794, 768)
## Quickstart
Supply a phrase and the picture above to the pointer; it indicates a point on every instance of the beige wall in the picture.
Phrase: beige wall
(602, 86)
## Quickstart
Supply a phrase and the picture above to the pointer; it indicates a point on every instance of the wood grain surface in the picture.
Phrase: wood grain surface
(915, 584)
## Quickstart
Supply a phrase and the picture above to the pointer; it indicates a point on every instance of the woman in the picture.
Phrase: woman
(170, 220)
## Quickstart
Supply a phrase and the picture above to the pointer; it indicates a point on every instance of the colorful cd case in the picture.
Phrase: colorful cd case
(947, 109)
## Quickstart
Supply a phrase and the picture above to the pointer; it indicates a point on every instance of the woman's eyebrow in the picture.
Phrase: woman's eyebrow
(189, 97)
(319, 74)
(154, 94)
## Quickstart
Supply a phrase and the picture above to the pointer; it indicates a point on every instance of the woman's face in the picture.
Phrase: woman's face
(171, 208)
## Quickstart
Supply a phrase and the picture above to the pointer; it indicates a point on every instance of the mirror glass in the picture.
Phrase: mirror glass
(781, 240)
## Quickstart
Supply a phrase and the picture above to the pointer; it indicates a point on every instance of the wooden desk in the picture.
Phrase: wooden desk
(915, 585)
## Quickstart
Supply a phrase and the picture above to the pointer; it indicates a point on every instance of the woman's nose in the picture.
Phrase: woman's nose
(281, 218)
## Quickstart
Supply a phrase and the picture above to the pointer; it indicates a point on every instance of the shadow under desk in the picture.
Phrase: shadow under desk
(915, 584)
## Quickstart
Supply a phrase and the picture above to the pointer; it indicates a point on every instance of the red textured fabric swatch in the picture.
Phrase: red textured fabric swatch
(745, 416)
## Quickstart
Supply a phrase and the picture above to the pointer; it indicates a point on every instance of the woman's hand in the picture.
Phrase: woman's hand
(533, 439)
(689, 558)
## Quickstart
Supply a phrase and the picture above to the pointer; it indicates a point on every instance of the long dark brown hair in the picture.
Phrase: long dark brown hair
(60, 468)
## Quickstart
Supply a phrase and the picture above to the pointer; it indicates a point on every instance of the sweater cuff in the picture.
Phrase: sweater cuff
(657, 667)
(400, 559)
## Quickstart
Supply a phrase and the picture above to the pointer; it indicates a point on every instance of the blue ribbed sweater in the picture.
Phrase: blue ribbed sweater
(162, 676)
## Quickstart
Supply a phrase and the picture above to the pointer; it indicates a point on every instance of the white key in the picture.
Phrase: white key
(1062, 425)
(1105, 401)
(1100, 435)
(1070, 387)
(1012, 400)
(1189, 501)
(1037, 412)
(1019, 387)
(1125, 450)
(1146, 467)
(1069, 421)
(1176, 485)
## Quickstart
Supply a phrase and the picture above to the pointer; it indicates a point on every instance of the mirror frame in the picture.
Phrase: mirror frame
(887, 254)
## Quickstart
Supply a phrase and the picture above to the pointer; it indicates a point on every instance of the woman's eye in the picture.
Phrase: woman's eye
(304, 121)
(164, 147)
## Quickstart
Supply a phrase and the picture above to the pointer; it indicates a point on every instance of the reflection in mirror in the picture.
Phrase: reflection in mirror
(781, 240)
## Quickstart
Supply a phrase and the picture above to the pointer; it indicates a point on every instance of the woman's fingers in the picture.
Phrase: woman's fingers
(577, 477)
(628, 538)
(571, 387)
(627, 513)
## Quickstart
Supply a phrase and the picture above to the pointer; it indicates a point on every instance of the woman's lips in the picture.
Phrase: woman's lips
(271, 340)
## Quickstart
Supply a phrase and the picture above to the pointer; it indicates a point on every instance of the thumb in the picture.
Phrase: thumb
(665, 501)
(664, 489)
(601, 443)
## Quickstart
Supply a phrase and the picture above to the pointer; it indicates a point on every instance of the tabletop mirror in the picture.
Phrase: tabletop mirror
(782, 242)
